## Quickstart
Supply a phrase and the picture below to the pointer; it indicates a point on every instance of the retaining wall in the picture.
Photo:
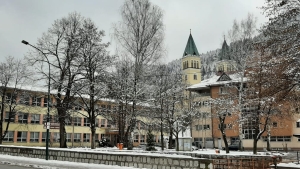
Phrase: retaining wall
(151, 161)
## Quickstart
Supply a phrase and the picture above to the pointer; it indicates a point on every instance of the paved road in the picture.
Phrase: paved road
(4, 166)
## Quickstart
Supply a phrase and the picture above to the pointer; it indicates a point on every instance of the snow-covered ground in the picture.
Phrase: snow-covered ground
(54, 164)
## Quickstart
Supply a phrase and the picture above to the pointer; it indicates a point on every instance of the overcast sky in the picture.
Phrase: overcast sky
(209, 20)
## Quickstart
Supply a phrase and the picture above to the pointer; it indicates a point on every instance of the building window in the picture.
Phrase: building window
(275, 124)
(10, 116)
(136, 139)
(97, 122)
(229, 126)
(68, 137)
(77, 107)
(36, 101)
(24, 99)
(142, 138)
(68, 121)
(23, 118)
(197, 64)
(56, 137)
(195, 77)
(102, 123)
(185, 77)
(77, 121)
(34, 136)
(96, 137)
(198, 127)
(109, 122)
(86, 137)
(76, 137)
(206, 127)
(87, 122)
(46, 101)
(223, 90)
(35, 119)
(298, 124)
(44, 136)
(248, 133)
(22, 136)
(224, 126)
(9, 137)
(10, 98)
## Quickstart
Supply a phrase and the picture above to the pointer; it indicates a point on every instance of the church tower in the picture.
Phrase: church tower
(191, 64)
(225, 63)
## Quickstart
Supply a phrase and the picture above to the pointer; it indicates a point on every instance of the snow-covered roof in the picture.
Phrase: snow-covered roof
(213, 81)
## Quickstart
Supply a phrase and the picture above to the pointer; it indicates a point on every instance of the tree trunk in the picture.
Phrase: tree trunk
(93, 130)
(255, 146)
(2, 116)
(225, 142)
(62, 132)
(177, 144)
(170, 137)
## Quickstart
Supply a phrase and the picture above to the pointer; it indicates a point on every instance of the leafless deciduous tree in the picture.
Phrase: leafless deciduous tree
(61, 44)
(14, 73)
(94, 62)
(140, 35)
(267, 89)
(225, 111)
(241, 50)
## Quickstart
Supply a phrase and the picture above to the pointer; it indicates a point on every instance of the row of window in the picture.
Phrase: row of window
(229, 68)
(202, 127)
(194, 64)
(35, 137)
(26, 99)
(186, 77)
(137, 137)
(278, 138)
(36, 119)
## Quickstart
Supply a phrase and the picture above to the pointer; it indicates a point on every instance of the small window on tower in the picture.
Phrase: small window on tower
(195, 77)
(185, 77)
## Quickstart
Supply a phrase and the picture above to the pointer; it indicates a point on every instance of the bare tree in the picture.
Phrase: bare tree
(94, 61)
(268, 88)
(140, 34)
(60, 44)
(241, 50)
(14, 73)
(225, 110)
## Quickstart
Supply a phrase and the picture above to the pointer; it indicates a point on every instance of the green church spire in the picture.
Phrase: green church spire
(190, 48)
(225, 52)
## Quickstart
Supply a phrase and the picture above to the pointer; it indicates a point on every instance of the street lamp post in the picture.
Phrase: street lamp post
(48, 98)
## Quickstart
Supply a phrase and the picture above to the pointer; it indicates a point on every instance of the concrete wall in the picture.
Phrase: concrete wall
(117, 158)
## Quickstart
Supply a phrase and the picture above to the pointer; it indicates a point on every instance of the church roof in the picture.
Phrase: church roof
(217, 80)
(190, 48)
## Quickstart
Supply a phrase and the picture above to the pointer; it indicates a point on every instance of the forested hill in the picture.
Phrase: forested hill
(208, 61)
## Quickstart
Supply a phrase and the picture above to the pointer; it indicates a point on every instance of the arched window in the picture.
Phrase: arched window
(187, 64)
(195, 76)
(192, 63)
(183, 66)
(197, 64)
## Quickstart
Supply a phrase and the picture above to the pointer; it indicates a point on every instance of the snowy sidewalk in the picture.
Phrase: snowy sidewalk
(52, 164)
